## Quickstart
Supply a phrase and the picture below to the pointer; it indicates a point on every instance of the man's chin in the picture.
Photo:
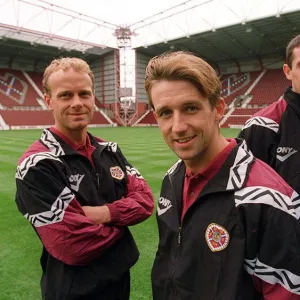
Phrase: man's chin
(78, 126)
(183, 156)
(187, 156)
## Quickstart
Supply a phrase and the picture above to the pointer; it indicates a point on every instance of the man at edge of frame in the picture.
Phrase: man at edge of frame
(80, 194)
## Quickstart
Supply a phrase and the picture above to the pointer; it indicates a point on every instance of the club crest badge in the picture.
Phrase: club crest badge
(117, 173)
(217, 237)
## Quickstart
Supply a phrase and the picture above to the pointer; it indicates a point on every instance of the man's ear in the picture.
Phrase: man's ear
(220, 109)
(287, 71)
(48, 101)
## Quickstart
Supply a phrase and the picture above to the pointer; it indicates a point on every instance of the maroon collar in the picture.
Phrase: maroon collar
(69, 142)
(216, 164)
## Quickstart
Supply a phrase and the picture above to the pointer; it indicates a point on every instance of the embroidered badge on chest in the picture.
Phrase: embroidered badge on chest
(117, 172)
(217, 237)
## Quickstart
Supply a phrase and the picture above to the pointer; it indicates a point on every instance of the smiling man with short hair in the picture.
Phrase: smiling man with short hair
(80, 194)
(228, 223)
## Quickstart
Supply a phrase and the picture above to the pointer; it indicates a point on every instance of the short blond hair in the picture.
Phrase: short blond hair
(182, 65)
(66, 63)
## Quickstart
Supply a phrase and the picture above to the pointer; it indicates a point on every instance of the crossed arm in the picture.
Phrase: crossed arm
(136, 206)
(44, 198)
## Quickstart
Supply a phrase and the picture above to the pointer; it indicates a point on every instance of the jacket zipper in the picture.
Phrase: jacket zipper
(95, 168)
(174, 269)
(179, 240)
(98, 181)
(179, 236)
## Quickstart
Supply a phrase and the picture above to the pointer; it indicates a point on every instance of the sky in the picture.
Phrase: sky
(127, 12)
(119, 12)
(165, 23)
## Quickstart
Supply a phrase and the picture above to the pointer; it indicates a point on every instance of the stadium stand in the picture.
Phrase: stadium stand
(98, 103)
(250, 67)
(16, 90)
(22, 104)
(239, 117)
(101, 119)
(237, 84)
(18, 119)
(270, 88)
(37, 79)
(262, 87)
(148, 119)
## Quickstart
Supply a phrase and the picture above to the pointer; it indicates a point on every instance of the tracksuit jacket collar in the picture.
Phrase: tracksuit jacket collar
(236, 167)
(58, 147)
(293, 100)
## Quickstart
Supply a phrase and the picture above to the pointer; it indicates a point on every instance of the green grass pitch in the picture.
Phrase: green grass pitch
(19, 246)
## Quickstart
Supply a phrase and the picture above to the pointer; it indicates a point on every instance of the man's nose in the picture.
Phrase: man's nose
(179, 123)
(76, 101)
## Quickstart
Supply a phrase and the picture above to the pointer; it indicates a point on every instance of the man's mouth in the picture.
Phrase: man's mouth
(184, 140)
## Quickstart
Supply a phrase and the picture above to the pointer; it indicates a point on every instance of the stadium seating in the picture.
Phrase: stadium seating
(267, 90)
(19, 107)
(18, 118)
(270, 88)
(27, 118)
(236, 84)
(235, 121)
(148, 119)
(20, 90)
(239, 117)
(99, 104)
(37, 79)
(16, 90)
(99, 119)
(245, 111)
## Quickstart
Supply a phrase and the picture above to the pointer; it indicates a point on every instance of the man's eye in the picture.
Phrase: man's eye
(64, 95)
(192, 108)
(85, 94)
(165, 113)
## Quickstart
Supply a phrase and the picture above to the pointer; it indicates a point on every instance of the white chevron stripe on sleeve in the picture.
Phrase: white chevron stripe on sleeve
(52, 144)
(296, 202)
(55, 214)
(31, 161)
(131, 171)
(174, 167)
(287, 279)
(111, 146)
(238, 171)
(268, 196)
(262, 121)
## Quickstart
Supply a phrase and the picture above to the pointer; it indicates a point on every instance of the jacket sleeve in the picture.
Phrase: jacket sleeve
(272, 240)
(273, 292)
(45, 199)
(138, 202)
(260, 135)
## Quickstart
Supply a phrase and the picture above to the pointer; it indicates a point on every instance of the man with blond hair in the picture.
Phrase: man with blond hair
(228, 223)
(80, 194)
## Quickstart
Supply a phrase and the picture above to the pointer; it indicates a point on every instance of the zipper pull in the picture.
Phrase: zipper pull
(98, 181)
(179, 236)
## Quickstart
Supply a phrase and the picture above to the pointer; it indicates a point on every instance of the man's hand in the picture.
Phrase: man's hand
(98, 214)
